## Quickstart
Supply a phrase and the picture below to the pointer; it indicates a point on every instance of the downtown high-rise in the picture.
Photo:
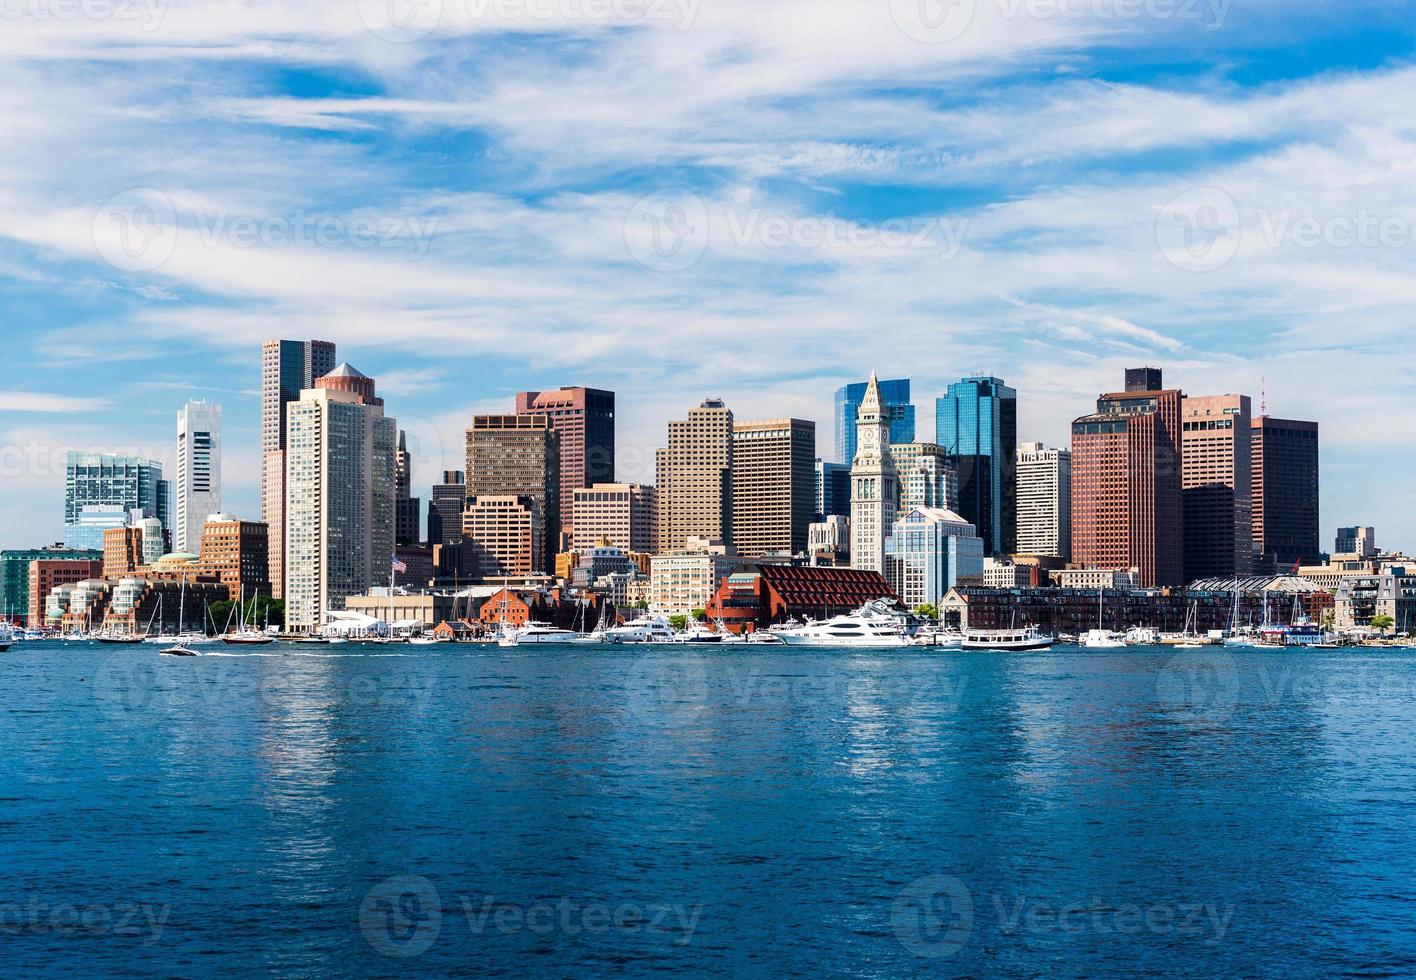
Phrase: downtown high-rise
(103, 490)
(1044, 501)
(1284, 460)
(976, 421)
(875, 484)
(198, 472)
(1216, 475)
(895, 403)
(288, 367)
(774, 486)
(584, 420)
(514, 457)
(694, 489)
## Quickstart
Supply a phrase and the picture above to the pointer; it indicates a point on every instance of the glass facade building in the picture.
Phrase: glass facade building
(894, 395)
(15, 576)
(104, 481)
(930, 551)
(976, 422)
(833, 490)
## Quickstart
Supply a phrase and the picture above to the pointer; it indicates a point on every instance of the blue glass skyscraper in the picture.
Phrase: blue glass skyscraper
(976, 422)
(102, 484)
(895, 395)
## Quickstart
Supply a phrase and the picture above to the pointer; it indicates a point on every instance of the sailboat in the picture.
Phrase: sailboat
(1101, 638)
(245, 635)
(128, 639)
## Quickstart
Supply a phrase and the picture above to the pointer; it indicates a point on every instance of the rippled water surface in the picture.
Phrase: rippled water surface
(657, 811)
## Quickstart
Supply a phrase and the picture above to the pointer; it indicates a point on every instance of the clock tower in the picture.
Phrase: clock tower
(875, 484)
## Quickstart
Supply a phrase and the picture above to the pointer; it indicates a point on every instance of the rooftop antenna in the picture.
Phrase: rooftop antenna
(1263, 395)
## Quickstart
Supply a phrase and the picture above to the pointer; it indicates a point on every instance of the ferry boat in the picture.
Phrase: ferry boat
(872, 626)
(535, 633)
(1012, 639)
(653, 630)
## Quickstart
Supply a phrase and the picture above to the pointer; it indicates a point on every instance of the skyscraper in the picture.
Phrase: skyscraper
(1127, 508)
(198, 472)
(585, 421)
(928, 477)
(1359, 541)
(1215, 447)
(101, 484)
(930, 551)
(408, 509)
(518, 456)
(694, 492)
(774, 486)
(875, 486)
(1284, 457)
(899, 410)
(445, 507)
(288, 367)
(620, 513)
(976, 422)
(833, 490)
(341, 470)
(1044, 501)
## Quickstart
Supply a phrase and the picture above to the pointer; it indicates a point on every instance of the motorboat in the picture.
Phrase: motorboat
(535, 633)
(764, 638)
(653, 629)
(118, 639)
(939, 637)
(7, 637)
(1142, 636)
(248, 638)
(698, 633)
(872, 625)
(179, 650)
(1101, 640)
(1020, 640)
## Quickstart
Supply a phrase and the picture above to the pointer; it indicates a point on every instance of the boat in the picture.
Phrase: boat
(424, 641)
(1142, 636)
(1101, 640)
(697, 633)
(937, 636)
(7, 637)
(535, 633)
(245, 636)
(1024, 639)
(179, 651)
(873, 625)
(654, 629)
(764, 638)
(117, 639)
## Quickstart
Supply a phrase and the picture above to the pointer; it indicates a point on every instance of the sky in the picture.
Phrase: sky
(758, 200)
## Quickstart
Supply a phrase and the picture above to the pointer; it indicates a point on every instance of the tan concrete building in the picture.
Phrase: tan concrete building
(620, 513)
(685, 580)
(518, 455)
(504, 535)
(774, 486)
(694, 492)
(1216, 443)
(1044, 501)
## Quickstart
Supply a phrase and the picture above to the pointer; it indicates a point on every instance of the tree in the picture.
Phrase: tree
(1383, 623)
(928, 610)
(678, 621)
(1329, 621)
(700, 614)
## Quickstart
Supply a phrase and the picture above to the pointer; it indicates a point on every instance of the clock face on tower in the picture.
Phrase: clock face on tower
(869, 441)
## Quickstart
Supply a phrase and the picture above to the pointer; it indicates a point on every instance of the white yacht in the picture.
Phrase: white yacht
(938, 636)
(872, 625)
(698, 633)
(7, 637)
(1101, 640)
(1014, 639)
(655, 629)
(535, 633)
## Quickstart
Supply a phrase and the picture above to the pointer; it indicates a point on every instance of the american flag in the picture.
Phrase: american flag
(400, 566)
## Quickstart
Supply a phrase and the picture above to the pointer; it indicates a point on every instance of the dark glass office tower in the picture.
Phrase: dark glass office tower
(976, 421)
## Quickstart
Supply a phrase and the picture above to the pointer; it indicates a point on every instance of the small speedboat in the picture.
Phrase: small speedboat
(179, 651)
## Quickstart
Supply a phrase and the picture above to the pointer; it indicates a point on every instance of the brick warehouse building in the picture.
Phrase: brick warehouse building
(749, 601)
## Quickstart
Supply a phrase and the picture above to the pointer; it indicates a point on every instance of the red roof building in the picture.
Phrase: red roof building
(775, 593)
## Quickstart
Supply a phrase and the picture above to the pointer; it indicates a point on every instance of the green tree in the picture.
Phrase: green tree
(700, 614)
(1383, 622)
(1329, 621)
(928, 610)
(678, 621)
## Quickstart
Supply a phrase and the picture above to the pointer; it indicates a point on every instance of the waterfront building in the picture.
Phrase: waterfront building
(48, 574)
(976, 421)
(829, 541)
(198, 471)
(1284, 487)
(428, 609)
(1044, 501)
(1358, 541)
(747, 601)
(1096, 578)
(1001, 574)
(122, 551)
(598, 562)
(288, 367)
(407, 509)
(694, 491)
(234, 552)
(138, 604)
(504, 535)
(517, 456)
(686, 579)
(1127, 508)
(619, 513)
(929, 552)
(774, 486)
(875, 484)
(339, 509)
(584, 420)
(1216, 443)
(445, 507)
(927, 476)
(79, 607)
(100, 488)
(833, 490)
(1362, 598)
(15, 575)
(896, 406)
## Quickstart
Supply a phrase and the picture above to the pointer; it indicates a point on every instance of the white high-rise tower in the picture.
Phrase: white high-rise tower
(198, 472)
(875, 484)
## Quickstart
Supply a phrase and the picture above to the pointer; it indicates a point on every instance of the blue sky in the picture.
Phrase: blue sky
(683, 198)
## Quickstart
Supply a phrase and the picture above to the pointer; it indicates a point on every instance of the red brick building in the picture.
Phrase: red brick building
(506, 608)
(47, 574)
(750, 601)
